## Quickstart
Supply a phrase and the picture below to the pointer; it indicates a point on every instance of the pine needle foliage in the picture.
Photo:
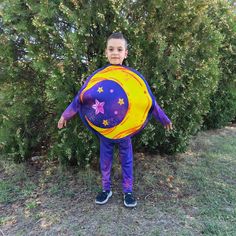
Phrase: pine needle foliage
(185, 50)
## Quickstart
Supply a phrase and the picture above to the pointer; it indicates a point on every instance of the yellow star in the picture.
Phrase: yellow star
(105, 122)
(100, 89)
(121, 101)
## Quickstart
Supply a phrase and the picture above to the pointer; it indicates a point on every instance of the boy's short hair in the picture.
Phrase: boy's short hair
(118, 35)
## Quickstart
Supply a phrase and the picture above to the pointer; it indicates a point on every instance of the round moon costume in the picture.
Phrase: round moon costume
(116, 103)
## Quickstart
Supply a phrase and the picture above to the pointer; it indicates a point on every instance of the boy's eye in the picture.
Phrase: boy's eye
(120, 49)
(110, 49)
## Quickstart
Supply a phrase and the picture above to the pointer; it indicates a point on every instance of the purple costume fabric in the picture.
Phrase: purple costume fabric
(126, 159)
(107, 145)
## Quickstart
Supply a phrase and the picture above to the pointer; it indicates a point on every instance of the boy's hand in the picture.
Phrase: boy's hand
(61, 123)
(168, 127)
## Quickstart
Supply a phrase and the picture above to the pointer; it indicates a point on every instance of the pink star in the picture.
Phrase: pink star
(98, 107)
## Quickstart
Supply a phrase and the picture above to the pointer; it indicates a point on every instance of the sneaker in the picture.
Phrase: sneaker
(129, 200)
(103, 197)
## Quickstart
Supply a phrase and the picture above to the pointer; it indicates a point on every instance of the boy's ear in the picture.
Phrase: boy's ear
(126, 53)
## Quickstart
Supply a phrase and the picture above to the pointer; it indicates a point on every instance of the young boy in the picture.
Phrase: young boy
(115, 103)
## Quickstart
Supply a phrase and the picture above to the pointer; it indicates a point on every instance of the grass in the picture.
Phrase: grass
(212, 176)
(188, 194)
(16, 185)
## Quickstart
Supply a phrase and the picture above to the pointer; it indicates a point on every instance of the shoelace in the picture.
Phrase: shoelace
(129, 196)
(103, 193)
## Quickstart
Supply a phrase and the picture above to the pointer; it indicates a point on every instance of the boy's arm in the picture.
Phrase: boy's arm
(70, 111)
(160, 116)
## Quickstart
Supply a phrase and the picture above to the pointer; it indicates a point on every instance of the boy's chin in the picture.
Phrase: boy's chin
(115, 63)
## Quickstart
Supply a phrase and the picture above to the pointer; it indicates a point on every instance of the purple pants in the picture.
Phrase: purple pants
(126, 158)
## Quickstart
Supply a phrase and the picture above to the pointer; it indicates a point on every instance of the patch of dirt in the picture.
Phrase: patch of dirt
(62, 203)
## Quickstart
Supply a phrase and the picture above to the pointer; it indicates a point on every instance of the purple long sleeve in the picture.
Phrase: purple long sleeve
(72, 109)
(160, 115)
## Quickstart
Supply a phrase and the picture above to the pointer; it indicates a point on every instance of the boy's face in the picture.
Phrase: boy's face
(116, 51)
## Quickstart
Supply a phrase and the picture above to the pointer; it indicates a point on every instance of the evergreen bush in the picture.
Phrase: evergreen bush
(223, 101)
(48, 49)
(180, 58)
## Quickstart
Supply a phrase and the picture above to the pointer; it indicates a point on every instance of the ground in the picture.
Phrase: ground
(193, 193)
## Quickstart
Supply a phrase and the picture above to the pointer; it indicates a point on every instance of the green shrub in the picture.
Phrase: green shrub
(180, 59)
(22, 130)
(48, 49)
(223, 102)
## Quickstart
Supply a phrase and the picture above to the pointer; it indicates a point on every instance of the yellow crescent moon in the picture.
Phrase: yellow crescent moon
(138, 95)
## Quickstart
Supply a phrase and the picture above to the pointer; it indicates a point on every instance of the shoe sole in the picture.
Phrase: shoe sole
(108, 196)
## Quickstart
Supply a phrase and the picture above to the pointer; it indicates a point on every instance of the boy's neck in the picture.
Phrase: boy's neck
(115, 64)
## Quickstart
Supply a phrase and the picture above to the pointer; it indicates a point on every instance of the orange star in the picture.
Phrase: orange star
(100, 89)
(121, 101)
(105, 122)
